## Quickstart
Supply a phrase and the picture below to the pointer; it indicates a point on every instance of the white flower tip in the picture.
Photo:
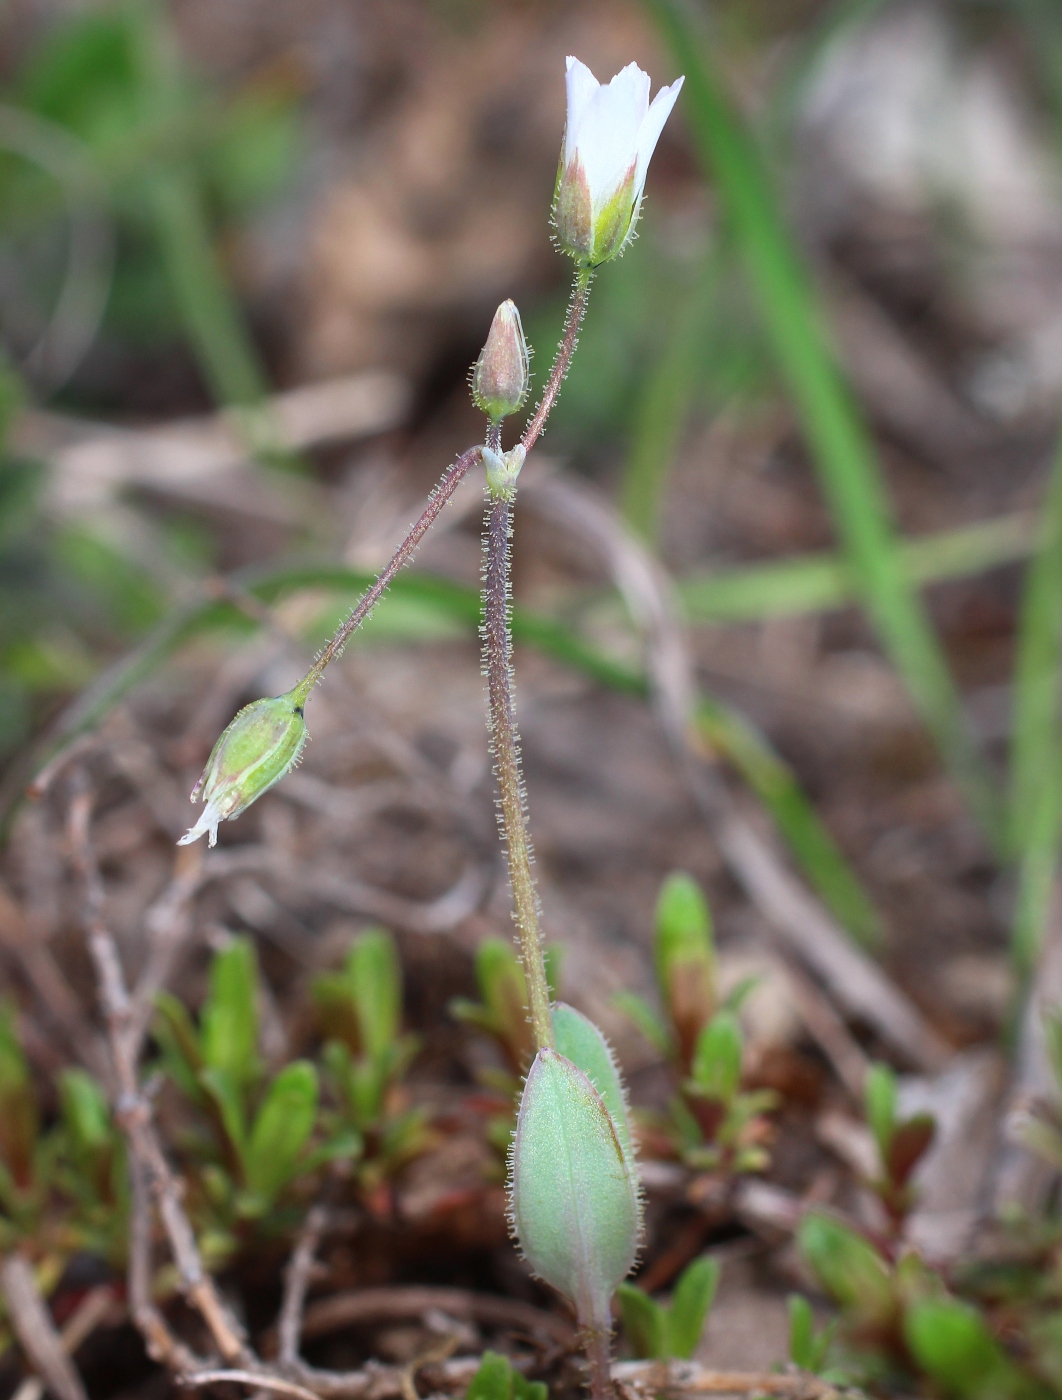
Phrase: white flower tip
(206, 825)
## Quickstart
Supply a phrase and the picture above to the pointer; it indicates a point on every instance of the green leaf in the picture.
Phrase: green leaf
(19, 1117)
(848, 1267)
(841, 445)
(282, 1129)
(802, 1349)
(691, 1303)
(716, 1069)
(86, 1112)
(493, 1380)
(375, 976)
(644, 1322)
(684, 953)
(580, 1041)
(776, 785)
(1035, 807)
(810, 583)
(228, 1101)
(178, 1040)
(229, 1019)
(574, 1199)
(880, 1096)
(641, 1014)
(951, 1342)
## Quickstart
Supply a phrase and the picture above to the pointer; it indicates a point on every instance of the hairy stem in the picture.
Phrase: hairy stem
(505, 745)
(449, 483)
(565, 350)
(598, 1355)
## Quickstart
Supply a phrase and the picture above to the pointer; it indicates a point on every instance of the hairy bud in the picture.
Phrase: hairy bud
(262, 743)
(501, 375)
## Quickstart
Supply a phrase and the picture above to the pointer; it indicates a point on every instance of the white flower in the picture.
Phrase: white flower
(609, 139)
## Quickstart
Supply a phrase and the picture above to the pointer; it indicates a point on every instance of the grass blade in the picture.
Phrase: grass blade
(818, 582)
(1035, 812)
(660, 415)
(837, 436)
(777, 787)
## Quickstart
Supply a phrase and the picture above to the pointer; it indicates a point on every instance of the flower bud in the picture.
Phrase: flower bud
(262, 743)
(503, 468)
(500, 377)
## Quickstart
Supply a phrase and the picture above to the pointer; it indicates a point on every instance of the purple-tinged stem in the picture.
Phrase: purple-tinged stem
(565, 350)
(448, 484)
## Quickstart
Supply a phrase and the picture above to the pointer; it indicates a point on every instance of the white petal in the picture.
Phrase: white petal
(607, 138)
(207, 825)
(581, 85)
(652, 126)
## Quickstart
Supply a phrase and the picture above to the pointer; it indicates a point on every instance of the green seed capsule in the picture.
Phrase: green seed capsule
(262, 743)
(574, 1202)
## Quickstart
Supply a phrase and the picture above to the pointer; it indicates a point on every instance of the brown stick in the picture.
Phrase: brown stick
(290, 1324)
(133, 1111)
(36, 1331)
(374, 1304)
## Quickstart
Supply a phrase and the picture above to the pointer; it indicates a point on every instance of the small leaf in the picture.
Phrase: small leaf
(802, 1349)
(574, 1199)
(19, 1118)
(716, 1068)
(375, 978)
(880, 1095)
(910, 1142)
(644, 1018)
(951, 1342)
(178, 1040)
(685, 959)
(228, 1101)
(493, 1380)
(282, 1129)
(523, 1389)
(229, 1019)
(644, 1322)
(85, 1110)
(848, 1266)
(580, 1041)
(690, 1304)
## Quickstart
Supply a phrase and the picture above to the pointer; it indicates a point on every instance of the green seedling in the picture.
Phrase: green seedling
(953, 1346)
(253, 1135)
(684, 959)
(809, 1347)
(496, 1379)
(713, 1123)
(851, 1271)
(365, 1058)
(63, 1190)
(657, 1331)
(901, 1144)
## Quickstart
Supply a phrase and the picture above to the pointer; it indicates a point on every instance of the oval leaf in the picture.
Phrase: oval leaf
(580, 1041)
(574, 1199)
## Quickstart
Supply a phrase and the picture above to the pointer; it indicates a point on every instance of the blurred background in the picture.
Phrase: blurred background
(248, 252)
